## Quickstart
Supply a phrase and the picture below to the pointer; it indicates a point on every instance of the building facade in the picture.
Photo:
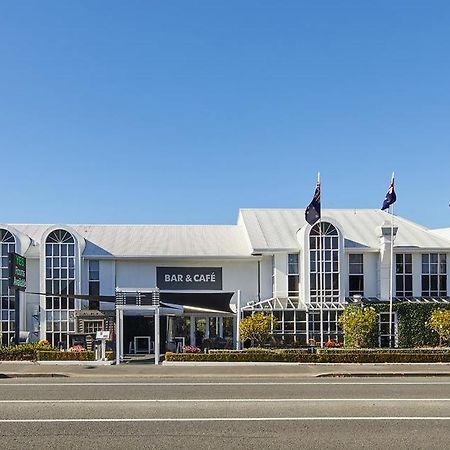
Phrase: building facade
(272, 259)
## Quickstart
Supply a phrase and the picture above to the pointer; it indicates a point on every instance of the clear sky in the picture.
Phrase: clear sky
(184, 111)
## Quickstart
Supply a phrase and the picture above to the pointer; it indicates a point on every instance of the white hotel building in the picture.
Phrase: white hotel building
(270, 257)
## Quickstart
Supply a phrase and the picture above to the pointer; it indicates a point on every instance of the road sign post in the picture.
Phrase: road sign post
(17, 282)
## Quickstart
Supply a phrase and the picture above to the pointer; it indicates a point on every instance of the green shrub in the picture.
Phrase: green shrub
(22, 352)
(322, 355)
(256, 328)
(56, 355)
(440, 323)
(248, 355)
(358, 325)
(381, 355)
(412, 319)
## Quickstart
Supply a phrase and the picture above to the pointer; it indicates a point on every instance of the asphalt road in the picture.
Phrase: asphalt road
(400, 413)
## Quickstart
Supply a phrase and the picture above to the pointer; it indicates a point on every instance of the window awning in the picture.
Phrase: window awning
(276, 304)
(416, 300)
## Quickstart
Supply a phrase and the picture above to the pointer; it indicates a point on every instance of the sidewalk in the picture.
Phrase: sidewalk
(221, 370)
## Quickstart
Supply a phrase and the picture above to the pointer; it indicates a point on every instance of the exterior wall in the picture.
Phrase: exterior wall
(31, 301)
(281, 285)
(266, 277)
(236, 274)
(370, 274)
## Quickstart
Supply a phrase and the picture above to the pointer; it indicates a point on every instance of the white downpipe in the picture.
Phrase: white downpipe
(121, 334)
(238, 320)
(117, 336)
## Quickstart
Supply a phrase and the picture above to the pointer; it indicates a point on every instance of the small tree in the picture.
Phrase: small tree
(256, 328)
(440, 323)
(358, 324)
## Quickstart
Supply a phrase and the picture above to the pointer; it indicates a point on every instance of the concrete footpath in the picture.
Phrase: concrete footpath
(211, 370)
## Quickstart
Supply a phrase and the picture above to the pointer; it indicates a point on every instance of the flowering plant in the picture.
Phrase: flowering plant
(191, 349)
(331, 343)
(77, 348)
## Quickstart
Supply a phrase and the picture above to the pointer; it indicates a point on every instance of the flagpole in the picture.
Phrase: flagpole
(321, 265)
(391, 275)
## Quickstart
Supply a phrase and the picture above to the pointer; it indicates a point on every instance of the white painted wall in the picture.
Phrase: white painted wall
(266, 277)
(236, 274)
(31, 301)
(370, 274)
(281, 285)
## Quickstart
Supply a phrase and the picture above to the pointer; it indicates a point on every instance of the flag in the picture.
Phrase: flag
(390, 195)
(312, 212)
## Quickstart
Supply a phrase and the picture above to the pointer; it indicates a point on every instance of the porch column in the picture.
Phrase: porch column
(117, 328)
(121, 333)
(192, 330)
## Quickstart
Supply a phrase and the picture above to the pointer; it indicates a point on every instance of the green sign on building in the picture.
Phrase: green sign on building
(17, 272)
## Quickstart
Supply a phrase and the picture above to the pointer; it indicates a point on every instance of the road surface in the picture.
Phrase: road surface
(225, 413)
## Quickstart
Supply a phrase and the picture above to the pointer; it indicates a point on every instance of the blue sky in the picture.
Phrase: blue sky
(184, 111)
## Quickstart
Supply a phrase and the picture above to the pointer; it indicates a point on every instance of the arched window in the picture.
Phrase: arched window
(7, 324)
(324, 263)
(59, 279)
(324, 282)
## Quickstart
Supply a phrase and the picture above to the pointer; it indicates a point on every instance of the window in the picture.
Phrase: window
(383, 329)
(94, 282)
(434, 275)
(403, 275)
(92, 326)
(59, 279)
(331, 329)
(324, 263)
(355, 274)
(7, 304)
(293, 275)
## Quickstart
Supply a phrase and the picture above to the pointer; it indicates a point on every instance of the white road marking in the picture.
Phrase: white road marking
(231, 400)
(251, 383)
(226, 419)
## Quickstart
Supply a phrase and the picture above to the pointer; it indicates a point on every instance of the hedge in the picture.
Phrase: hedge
(412, 319)
(320, 356)
(248, 355)
(22, 352)
(56, 355)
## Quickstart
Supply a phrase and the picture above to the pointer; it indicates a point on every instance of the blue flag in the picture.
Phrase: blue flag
(312, 212)
(390, 196)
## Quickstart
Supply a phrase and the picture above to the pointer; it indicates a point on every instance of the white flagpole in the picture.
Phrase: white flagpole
(391, 275)
(321, 264)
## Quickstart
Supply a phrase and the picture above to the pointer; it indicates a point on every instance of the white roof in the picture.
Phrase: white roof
(258, 230)
(443, 232)
(275, 229)
(156, 240)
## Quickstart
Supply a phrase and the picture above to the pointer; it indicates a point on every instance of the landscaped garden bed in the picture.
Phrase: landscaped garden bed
(42, 351)
(319, 355)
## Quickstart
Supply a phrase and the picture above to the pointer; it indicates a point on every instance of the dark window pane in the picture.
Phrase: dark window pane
(399, 284)
(434, 283)
(443, 283)
(94, 288)
(425, 285)
(356, 284)
(408, 283)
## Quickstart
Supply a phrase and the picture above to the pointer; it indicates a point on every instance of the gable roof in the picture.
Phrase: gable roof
(275, 229)
(156, 240)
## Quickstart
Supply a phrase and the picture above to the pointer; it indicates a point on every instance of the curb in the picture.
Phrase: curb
(33, 375)
(382, 374)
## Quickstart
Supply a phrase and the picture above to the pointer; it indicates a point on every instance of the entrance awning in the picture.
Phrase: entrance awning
(209, 301)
